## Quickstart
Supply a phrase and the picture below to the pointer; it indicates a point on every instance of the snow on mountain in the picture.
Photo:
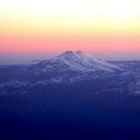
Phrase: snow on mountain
(90, 60)
(68, 69)
(81, 61)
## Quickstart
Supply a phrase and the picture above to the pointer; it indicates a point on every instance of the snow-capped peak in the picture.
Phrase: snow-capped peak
(86, 58)
(84, 62)
(68, 55)
(70, 58)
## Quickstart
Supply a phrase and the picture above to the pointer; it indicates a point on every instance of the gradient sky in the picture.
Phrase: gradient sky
(57, 25)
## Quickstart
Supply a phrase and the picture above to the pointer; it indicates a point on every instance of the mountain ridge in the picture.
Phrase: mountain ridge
(81, 61)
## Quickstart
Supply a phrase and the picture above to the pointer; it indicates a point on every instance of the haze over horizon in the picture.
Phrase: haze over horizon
(25, 58)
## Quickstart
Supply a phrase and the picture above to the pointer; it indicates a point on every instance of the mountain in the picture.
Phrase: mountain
(77, 61)
(70, 95)
(77, 71)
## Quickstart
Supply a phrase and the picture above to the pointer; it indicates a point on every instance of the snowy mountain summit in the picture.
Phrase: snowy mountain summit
(80, 61)
(85, 62)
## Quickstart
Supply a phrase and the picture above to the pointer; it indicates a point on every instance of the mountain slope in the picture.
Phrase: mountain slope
(78, 61)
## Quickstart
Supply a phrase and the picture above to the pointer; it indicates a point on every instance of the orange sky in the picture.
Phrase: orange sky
(58, 25)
